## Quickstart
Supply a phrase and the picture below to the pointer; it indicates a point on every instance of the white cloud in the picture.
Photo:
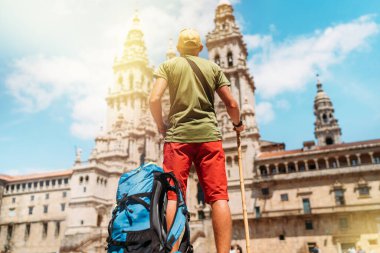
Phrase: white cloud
(89, 34)
(291, 64)
(26, 171)
(87, 115)
(73, 44)
(258, 41)
(264, 113)
(37, 82)
(282, 104)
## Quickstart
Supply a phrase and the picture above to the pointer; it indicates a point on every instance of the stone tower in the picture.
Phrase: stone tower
(130, 132)
(129, 139)
(327, 130)
(226, 48)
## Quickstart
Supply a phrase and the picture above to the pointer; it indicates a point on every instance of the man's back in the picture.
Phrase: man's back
(192, 117)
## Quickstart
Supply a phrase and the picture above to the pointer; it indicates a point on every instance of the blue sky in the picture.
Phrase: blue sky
(56, 65)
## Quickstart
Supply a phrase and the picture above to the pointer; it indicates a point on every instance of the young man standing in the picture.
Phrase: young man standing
(192, 135)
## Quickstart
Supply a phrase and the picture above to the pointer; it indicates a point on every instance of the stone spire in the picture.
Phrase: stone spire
(327, 130)
(130, 133)
(227, 48)
(134, 46)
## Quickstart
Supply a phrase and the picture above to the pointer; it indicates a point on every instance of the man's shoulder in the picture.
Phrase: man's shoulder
(206, 63)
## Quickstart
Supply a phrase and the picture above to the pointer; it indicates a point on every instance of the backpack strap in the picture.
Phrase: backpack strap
(181, 214)
(168, 236)
(197, 71)
(185, 245)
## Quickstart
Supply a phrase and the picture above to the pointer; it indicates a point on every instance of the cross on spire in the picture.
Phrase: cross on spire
(319, 84)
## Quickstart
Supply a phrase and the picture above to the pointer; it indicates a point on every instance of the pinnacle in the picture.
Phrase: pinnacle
(319, 84)
(136, 18)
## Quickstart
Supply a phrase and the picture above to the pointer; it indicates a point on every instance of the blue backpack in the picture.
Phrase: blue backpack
(138, 223)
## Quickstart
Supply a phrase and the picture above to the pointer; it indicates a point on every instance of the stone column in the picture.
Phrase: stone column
(316, 164)
(276, 166)
(327, 163)
(359, 160)
(296, 165)
(348, 160)
(337, 161)
(306, 165)
(372, 158)
(286, 167)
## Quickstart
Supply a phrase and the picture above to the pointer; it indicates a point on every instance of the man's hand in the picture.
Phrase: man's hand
(162, 130)
(239, 129)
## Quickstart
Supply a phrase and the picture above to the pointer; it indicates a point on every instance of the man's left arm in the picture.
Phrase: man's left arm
(155, 103)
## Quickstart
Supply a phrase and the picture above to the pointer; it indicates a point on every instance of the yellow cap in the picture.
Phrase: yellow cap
(189, 39)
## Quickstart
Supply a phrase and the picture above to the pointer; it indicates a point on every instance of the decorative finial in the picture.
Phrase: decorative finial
(136, 20)
(319, 84)
(78, 154)
(136, 16)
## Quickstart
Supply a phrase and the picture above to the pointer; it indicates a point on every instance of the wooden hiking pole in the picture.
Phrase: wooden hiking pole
(242, 189)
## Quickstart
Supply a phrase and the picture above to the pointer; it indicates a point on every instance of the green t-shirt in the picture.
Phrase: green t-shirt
(192, 116)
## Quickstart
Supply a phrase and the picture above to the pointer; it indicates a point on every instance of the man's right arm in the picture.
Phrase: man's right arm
(155, 103)
(232, 106)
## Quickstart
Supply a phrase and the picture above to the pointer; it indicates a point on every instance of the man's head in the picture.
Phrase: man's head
(189, 42)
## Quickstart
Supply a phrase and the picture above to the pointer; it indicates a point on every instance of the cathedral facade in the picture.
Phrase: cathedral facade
(325, 193)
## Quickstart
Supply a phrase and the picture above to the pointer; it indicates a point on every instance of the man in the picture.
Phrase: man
(192, 135)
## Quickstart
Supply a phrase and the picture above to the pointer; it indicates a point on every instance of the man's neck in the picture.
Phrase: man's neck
(183, 55)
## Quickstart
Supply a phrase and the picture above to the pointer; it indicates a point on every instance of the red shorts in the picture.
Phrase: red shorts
(209, 161)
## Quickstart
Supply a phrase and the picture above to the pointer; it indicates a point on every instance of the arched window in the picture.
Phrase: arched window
(229, 162)
(281, 168)
(329, 140)
(230, 59)
(324, 117)
(376, 158)
(272, 169)
(99, 220)
(217, 59)
(263, 170)
(291, 167)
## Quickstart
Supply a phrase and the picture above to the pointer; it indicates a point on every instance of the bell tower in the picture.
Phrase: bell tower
(327, 130)
(130, 135)
(227, 48)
